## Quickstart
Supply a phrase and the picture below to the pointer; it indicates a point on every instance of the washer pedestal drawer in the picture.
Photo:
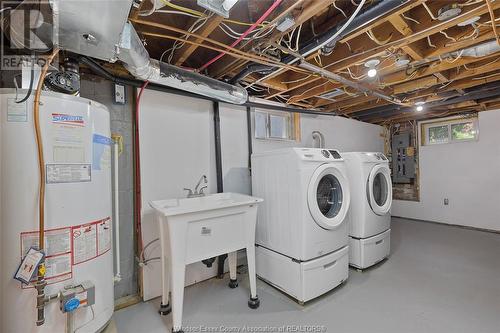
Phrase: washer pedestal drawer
(303, 280)
(366, 252)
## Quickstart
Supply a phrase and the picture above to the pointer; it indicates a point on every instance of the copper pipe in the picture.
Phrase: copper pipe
(40, 284)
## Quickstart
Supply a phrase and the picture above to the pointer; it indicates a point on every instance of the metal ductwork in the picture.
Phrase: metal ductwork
(478, 51)
(137, 61)
(116, 39)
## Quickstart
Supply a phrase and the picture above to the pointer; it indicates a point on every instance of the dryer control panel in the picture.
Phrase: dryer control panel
(319, 154)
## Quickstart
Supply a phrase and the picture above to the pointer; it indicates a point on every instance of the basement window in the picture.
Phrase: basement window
(449, 131)
(275, 125)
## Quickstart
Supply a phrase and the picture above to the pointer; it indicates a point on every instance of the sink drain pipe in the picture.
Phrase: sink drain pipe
(218, 171)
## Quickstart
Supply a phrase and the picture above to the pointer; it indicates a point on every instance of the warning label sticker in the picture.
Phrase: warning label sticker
(84, 243)
(68, 173)
(16, 112)
(57, 241)
(57, 251)
(58, 266)
(104, 236)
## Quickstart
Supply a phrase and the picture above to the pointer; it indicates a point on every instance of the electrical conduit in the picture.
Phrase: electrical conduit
(249, 30)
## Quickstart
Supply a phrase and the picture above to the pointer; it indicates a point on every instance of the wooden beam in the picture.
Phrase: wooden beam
(378, 22)
(186, 50)
(341, 60)
(404, 29)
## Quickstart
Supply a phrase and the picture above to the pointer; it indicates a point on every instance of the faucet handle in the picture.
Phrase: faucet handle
(190, 191)
(201, 189)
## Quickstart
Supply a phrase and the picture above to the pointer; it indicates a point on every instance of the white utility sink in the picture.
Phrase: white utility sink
(194, 229)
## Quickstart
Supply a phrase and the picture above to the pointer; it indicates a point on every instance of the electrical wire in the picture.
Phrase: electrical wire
(337, 8)
(429, 42)
(32, 79)
(409, 18)
(447, 36)
(275, 4)
(200, 14)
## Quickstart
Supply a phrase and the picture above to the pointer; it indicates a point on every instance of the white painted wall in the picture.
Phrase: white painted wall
(464, 172)
(177, 146)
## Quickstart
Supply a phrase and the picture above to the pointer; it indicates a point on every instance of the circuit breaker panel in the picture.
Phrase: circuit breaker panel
(403, 159)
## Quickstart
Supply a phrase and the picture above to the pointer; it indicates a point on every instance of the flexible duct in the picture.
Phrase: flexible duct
(137, 61)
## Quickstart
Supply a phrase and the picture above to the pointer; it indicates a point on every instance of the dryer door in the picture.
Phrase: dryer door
(328, 196)
(379, 189)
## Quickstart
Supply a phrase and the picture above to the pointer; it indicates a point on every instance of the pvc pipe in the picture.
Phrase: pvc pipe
(116, 149)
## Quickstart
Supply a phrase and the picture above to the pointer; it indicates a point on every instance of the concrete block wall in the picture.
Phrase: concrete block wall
(101, 91)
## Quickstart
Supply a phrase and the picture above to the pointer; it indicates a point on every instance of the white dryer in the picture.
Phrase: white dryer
(370, 217)
(302, 227)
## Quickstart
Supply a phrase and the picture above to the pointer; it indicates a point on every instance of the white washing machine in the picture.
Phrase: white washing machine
(302, 227)
(370, 216)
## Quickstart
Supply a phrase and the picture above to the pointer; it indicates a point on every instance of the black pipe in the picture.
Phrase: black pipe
(249, 138)
(218, 171)
(99, 70)
(366, 17)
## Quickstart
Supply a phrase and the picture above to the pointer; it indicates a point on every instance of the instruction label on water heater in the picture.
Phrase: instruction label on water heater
(104, 236)
(91, 240)
(57, 251)
(68, 173)
(84, 243)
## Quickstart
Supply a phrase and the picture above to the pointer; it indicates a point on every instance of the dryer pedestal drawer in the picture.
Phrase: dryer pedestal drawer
(303, 280)
(366, 252)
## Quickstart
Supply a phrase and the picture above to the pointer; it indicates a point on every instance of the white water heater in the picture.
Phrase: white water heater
(78, 207)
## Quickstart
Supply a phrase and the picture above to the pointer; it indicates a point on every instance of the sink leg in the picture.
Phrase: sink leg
(165, 307)
(232, 259)
(178, 275)
(254, 300)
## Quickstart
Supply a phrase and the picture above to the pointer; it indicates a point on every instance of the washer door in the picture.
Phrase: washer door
(328, 196)
(379, 190)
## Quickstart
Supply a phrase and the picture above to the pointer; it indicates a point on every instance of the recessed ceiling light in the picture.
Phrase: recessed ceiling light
(372, 72)
(419, 108)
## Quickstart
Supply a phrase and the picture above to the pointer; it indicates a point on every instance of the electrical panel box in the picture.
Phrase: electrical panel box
(403, 159)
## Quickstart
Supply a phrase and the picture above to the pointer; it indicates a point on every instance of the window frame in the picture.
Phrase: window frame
(425, 127)
(292, 120)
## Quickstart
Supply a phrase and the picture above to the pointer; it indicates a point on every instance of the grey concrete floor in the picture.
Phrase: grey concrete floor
(438, 279)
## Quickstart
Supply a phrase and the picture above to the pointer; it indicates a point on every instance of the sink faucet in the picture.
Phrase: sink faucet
(198, 192)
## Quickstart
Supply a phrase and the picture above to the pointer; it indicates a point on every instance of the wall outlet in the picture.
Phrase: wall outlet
(446, 201)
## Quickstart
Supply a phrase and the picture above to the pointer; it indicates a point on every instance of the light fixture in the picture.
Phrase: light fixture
(371, 65)
(402, 60)
(419, 106)
(372, 72)
(449, 11)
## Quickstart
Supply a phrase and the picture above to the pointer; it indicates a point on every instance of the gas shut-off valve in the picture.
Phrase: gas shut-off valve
(74, 297)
